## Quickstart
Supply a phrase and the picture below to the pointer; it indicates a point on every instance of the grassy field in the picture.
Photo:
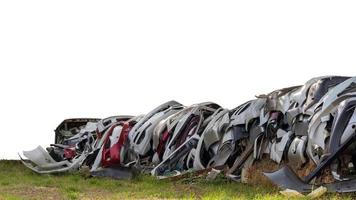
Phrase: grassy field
(18, 182)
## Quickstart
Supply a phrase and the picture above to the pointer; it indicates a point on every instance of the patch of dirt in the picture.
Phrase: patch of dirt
(304, 170)
(254, 173)
(255, 176)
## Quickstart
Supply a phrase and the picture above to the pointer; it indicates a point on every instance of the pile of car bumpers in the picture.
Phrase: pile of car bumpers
(295, 126)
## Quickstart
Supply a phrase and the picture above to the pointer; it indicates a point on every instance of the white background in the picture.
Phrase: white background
(63, 59)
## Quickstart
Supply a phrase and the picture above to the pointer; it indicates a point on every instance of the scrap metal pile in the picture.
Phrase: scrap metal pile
(313, 123)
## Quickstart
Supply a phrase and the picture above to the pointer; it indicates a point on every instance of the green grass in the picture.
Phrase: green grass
(18, 182)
